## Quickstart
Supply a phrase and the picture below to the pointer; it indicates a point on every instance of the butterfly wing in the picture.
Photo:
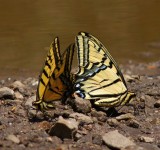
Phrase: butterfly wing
(99, 76)
(53, 81)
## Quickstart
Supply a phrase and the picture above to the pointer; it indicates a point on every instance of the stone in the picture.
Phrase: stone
(31, 82)
(146, 139)
(44, 125)
(54, 139)
(13, 138)
(62, 147)
(134, 123)
(101, 116)
(125, 117)
(116, 140)
(18, 95)
(31, 113)
(17, 85)
(78, 136)
(97, 139)
(64, 128)
(80, 105)
(112, 122)
(29, 101)
(133, 147)
(81, 118)
(132, 78)
(157, 104)
(7, 93)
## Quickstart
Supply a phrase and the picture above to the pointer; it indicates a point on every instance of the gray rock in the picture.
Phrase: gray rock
(54, 139)
(62, 147)
(7, 93)
(157, 104)
(125, 117)
(112, 122)
(134, 123)
(148, 100)
(17, 85)
(101, 116)
(32, 113)
(86, 139)
(64, 128)
(81, 118)
(146, 139)
(116, 140)
(29, 101)
(133, 147)
(132, 78)
(78, 136)
(13, 138)
(149, 146)
(97, 139)
(82, 131)
(88, 127)
(80, 105)
(18, 95)
(31, 82)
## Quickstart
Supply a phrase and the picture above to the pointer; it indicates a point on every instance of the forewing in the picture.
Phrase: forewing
(53, 57)
(102, 48)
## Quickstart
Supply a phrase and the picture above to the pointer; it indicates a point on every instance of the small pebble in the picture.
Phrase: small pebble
(157, 104)
(17, 85)
(80, 105)
(97, 139)
(133, 147)
(13, 138)
(112, 122)
(81, 118)
(30, 101)
(78, 136)
(125, 117)
(18, 95)
(101, 116)
(6, 93)
(146, 139)
(132, 78)
(134, 123)
(64, 128)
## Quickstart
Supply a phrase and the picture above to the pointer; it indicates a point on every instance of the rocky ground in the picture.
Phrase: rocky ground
(77, 125)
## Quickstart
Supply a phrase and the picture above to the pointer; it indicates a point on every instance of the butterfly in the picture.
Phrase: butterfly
(99, 77)
(55, 80)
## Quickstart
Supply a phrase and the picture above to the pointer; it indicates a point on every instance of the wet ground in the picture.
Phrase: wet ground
(77, 125)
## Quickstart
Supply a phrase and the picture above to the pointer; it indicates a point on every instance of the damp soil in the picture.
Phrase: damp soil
(21, 130)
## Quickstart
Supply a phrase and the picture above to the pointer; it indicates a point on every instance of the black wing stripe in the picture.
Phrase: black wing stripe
(41, 80)
(47, 64)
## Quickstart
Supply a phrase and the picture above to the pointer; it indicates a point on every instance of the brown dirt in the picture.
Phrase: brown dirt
(33, 132)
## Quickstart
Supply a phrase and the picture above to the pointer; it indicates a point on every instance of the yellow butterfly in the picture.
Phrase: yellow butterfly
(55, 81)
(99, 77)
